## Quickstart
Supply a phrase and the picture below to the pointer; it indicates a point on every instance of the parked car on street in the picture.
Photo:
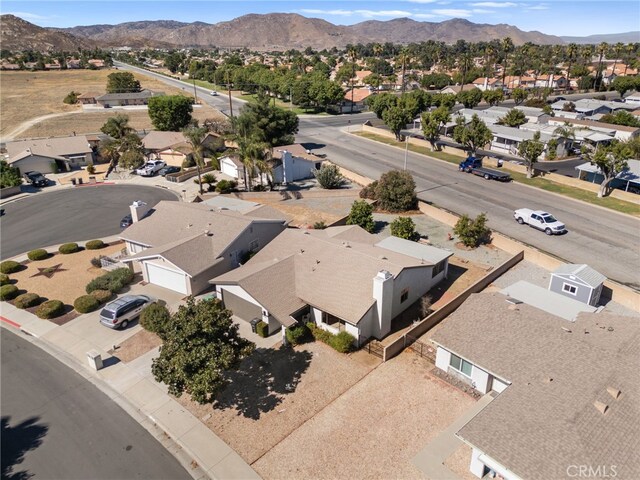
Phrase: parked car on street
(126, 221)
(541, 220)
(214, 93)
(120, 312)
(168, 169)
(150, 168)
(36, 179)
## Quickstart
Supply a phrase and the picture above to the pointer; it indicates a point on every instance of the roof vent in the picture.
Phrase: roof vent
(306, 232)
(189, 225)
(566, 329)
(614, 392)
(513, 301)
(302, 250)
(548, 380)
(382, 257)
(208, 233)
(601, 407)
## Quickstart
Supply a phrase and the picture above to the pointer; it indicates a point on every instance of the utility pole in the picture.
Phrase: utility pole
(195, 91)
(229, 91)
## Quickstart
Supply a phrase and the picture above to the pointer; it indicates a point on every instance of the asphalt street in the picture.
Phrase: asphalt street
(604, 239)
(57, 425)
(70, 215)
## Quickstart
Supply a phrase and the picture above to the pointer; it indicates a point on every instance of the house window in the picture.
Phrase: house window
(437, 268)
(404, 296)
(460, 364)
(571, 289)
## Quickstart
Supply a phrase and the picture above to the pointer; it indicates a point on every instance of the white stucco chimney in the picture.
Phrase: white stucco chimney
(383, 294)
(138, 210)
(486, 84)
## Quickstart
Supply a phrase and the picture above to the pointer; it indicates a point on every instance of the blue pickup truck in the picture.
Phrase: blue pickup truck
(474, 165)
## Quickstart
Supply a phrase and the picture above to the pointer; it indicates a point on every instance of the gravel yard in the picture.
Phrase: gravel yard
(136, 346)
(69, 282)
(275, 392)
(373, 430)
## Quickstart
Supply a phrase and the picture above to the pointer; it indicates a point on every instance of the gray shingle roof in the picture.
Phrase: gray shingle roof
(538, 427)
(50, 147)
(583, 272)
(128, 95)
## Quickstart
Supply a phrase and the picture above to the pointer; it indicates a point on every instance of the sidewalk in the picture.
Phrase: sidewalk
(202, 453)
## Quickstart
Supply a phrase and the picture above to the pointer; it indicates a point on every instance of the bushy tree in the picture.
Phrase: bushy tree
(611, 160)
(396, 191)
(270, 124)
(473, 136)
(404, 227)
(396, 118)
(362, 215)
(519, 95)
(380, 103)
(624, 84)
(122, 82)
(200, 344)
(9, 176)
(621, 117)
(329, 176)
(493, 97)
(470, 98)
(156, 318)
(432, 122)
(472, 233)
(170, 113)
(125, 147)
(513, 118)
(530, 151)
(71, 98)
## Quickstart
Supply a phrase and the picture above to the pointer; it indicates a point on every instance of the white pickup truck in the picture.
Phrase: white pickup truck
(538, 219)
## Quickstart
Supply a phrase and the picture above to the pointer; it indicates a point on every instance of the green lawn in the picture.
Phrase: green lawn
(542, 183)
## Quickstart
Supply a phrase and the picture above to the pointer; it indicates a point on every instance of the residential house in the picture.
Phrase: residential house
(486, 83)
(232, 165)
(291, 163)
(341, 278)
(532, 114)
(180, 246)
(579, 282)
(97, 63)
(123, 99)
(355, 99)
(556, 82)
(360, 75)
(88, 98)
(627, 180)
(42, 154)
(585, 106)
(524, 82)
(619, 132)
(566, 394)
(455, 89)
(633, 100)
(508, 139)
(172, 147)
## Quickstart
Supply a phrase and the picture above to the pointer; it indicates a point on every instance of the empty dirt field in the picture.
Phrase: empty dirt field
(27, 96)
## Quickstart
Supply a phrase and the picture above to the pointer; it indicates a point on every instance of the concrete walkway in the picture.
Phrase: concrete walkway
(201, 452)
(432, 457)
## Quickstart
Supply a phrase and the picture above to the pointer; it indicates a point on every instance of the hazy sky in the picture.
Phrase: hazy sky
(557, 17)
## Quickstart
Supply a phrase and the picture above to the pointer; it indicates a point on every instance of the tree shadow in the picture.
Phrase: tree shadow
(16, 442)
(262, 381)
(379, 226)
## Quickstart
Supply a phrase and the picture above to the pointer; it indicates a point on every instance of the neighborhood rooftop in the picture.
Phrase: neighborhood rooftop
(583, 272)
(549, 417)
(50, 147)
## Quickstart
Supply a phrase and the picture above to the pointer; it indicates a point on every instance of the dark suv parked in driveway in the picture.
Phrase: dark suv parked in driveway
(120, 312)
(36, 179)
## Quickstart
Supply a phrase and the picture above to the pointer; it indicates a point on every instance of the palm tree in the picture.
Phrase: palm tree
(404, 57)
(601, 49)
(195, 137)
(630, 50)
(507, 47)
(618, 48)
(572, 53)
(353, 56)
(252, 152)
(377, 50)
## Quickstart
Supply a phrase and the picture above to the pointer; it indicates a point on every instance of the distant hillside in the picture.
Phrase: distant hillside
(280, 31)
(18, 34)
(628, 37)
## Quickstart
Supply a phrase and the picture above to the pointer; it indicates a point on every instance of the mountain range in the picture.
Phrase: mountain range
(274, 31)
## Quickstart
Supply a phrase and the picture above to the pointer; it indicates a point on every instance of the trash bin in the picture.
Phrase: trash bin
(254, 325)
(95, 359)
(79, 181)
(92, 179)
(73, 181)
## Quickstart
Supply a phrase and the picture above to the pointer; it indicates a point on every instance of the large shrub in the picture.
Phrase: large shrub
(50, 309)
(67, 248)
(8, 292)
(472, 232)
(297, 334)
(94, 245)
(37, 254)
(156, 319)
(113, 281)
(9, 266)
(362, 215)
(225, 186)
(369, 192)
(342, 342)
(329, 176)
(102, 296)
(404, 227)
(4, 279)
(86, 304)
(396, 191)
(262, 329)
(26, 300)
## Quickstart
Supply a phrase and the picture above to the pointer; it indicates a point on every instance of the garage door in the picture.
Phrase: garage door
(170, 279)
(240, 307)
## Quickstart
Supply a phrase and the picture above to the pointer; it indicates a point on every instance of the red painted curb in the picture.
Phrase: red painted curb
(10, 322)
(95, 184)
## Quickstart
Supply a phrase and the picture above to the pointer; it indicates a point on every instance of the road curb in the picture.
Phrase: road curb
(10, 322)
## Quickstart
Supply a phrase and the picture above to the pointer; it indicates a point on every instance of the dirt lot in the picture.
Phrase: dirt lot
(373, 430)
(276, 391)
(66, 285)
(28, 95)
(133, 347)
